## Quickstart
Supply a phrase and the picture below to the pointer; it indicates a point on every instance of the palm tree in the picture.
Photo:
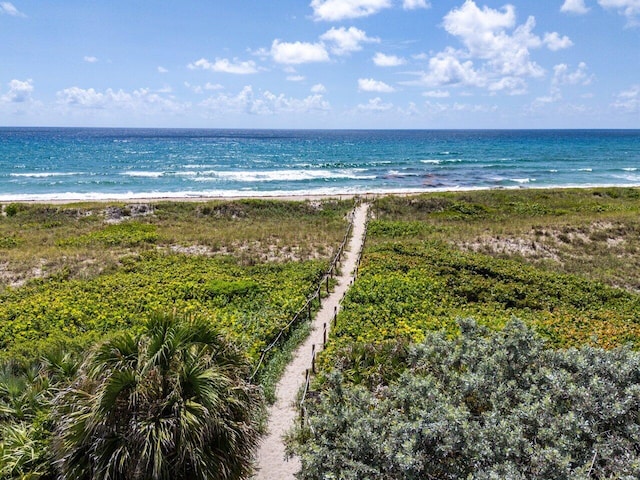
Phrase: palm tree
(170, 403)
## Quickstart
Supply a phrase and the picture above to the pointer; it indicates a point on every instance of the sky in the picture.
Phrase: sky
(387, 64)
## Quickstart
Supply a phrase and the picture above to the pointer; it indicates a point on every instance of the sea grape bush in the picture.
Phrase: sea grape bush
(248, 303)
(482, 405)
(406, 288)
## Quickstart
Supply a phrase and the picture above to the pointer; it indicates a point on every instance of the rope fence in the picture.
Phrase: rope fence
(306, 312)
(312, 371)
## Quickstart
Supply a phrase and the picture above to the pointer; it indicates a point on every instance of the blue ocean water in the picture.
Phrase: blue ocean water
(79, 163)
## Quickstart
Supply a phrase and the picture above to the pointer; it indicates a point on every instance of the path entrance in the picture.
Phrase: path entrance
(271, 463)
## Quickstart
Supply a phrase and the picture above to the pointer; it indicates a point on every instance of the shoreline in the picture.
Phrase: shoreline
(292, 197)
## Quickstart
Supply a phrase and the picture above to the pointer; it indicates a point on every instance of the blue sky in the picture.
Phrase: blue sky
(321, 63)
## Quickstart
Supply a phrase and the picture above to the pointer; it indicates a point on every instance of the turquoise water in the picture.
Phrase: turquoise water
(69, 163)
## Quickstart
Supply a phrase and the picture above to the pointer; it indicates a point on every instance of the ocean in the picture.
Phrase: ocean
(43, 164)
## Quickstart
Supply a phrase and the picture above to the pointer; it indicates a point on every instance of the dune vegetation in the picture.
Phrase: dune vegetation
(490, 334)
(73, 277)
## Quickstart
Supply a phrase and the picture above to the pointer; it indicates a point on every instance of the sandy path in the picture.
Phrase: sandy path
(270, 461)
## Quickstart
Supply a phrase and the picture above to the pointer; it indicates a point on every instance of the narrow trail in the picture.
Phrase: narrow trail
(271, 463)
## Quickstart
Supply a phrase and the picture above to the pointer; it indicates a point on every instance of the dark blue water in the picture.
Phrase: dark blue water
(68, 163)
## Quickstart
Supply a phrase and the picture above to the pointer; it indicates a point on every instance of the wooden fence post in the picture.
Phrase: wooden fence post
(313, 358)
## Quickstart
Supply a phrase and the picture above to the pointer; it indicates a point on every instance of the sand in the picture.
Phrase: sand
(271, 462)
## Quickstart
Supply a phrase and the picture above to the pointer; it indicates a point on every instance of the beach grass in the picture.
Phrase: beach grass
(85, 239)
(587, 232)
(562, 261)
(71, 274)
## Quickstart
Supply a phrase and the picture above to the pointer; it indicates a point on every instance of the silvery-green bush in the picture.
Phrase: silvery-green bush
(485, 405)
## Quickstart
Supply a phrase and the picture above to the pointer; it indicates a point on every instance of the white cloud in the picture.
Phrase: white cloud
(336, 10)
(295, 78)
(9, 8)
(142, 101)
(382, 60)
(628, 8)
(437, 94)
(162, 70)
(628, 101)
(554, 42)
(318, 88)
(224, 65)
(512, 85)
(553, 97)
(562, 75)
(375, 105)
(415, 4)
(574, 6)
(267, 103)
(468, 107)
(343, 41)
(298, 52)
(201, 89)
(90, 59)
(446, 68)
(194, 88)
(19, 91)
(371, 85)
(486, 35)
(496, 53)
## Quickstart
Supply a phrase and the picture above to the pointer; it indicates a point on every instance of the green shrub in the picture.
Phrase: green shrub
(126, 234)
(483, 405)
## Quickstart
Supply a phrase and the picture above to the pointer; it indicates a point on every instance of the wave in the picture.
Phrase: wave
(431, 161)
(45, 174)
(241, 193)
(279, 175)
(143, 174)
(522, 180)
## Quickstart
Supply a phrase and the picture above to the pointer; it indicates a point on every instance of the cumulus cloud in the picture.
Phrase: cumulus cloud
(486, 34)
(343, 41)
(437, 94)
(202, 88)
(555, 42)
(294, 53)
(415, 4)
(318, 88)
(512, 85)
(382, 60)
(267, 103)
(336, 10)
(224, 65)
(562, 75)
(446, 68)
(90, 59)
(574, 6)
(9, 8)
(371, 85)
(141, 101)
(295, 78)
(19, 91)
(628, 8)
(628, 101)
(161, 69)
(375, 105)
(496, 53)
